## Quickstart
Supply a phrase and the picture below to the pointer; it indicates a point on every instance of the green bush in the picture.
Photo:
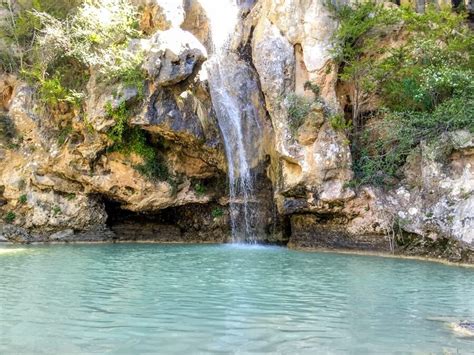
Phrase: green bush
(10, 217)
(217, 212)
(23, 199)
(22, 28)
(339, 123)
(200, 189)
(120, 114)
(298, 108)
(55, 43)
(129, 140)
(424, 85)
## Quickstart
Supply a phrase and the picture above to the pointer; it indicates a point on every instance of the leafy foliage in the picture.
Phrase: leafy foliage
(339, 123)
(129, 140)
(54, 43)
(298, 108)
(423, 83)
(217, 212)
(21, 27)
(200, 189)
(10, 217)
(22, 199)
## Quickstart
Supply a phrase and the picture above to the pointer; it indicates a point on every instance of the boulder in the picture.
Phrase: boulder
(173, 56)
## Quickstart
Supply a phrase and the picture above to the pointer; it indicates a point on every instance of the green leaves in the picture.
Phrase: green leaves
(298, 108)
(129, 140)
(423, 83)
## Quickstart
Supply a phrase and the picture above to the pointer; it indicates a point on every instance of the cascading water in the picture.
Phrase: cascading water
(230, 84)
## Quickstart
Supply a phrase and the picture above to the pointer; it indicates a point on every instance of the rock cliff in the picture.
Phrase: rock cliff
(62, 178)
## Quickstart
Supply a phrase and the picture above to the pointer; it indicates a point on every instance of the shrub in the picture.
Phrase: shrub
(54, 46)
(21, 28)
(97, 35)
(133, 140)
(200, 189)
(120, 114)
(298, 108)
(339, 123)
(23, 199)
(423, 85)
(10, 217)
(217, 212)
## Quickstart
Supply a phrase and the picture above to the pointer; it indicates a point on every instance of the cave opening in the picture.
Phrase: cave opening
(191, 223)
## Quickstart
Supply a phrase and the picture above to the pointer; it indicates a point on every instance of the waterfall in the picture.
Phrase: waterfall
(230, 83)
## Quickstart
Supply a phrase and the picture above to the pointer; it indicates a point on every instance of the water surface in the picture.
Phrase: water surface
(182, 299)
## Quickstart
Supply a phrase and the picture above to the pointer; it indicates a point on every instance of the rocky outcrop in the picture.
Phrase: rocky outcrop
(311, 160)
(58, 169)
(60, 175)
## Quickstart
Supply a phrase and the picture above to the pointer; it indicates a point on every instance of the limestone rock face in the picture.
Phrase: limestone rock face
(236, 94)
(62, 166)
(307, 24)
(439, 200)
(172, 56)
(160, 14)
(197, 22)
(311, 164)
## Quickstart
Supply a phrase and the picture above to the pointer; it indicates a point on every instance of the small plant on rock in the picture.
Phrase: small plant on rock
(71, 196)
(56, 210)
(217, 212)
(298, 108)
(339, 123)
(10, 217)
(200, 189)
(23, 199)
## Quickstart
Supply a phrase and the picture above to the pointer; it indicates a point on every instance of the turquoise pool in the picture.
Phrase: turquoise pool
(186, 299)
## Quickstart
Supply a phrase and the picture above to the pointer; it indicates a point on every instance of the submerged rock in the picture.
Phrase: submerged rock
(463, 328)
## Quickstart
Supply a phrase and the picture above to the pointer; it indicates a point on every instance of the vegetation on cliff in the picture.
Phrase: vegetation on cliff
(410, 78)
(57, 45)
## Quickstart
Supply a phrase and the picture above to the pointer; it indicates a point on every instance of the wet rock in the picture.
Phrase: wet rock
(62, 236)
(197, 22)
(92, 235)
(327, 232)
(15, 234)
(464, 328)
